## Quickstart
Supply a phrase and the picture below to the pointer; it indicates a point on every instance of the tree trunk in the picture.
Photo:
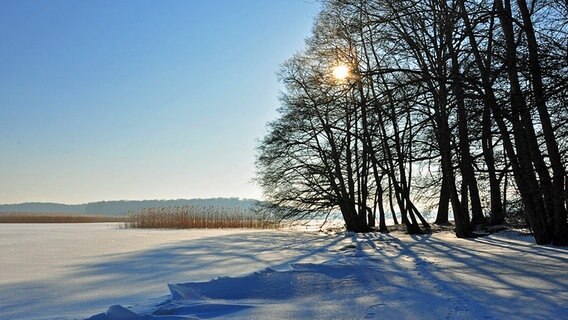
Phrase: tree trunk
(382, 220)
(522, 167)
(443, 204)
(525, 137)
(469, 182)
(497, 214)
(391, 204)
(463, 228)
(557, 219)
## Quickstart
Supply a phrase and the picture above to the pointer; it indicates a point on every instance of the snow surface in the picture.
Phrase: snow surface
(77, 271)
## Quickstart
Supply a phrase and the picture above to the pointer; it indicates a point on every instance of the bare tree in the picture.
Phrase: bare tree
(435, 90)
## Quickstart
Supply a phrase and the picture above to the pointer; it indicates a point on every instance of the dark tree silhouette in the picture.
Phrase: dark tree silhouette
(443, 101)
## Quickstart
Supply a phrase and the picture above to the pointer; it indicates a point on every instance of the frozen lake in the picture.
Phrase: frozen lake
(74, 271)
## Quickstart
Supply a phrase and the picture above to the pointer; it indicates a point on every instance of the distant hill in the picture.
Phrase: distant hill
(122, 207)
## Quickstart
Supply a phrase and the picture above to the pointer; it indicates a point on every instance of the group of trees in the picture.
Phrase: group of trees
(457, 103)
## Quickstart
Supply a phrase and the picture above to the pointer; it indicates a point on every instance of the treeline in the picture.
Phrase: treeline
(123, 207)
(461, 104)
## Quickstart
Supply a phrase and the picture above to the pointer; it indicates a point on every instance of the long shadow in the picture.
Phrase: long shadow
(353, 285)
(135, 277)
(488, 260)
(240, 253)
(370, 293)
(485, 278)
(417, 277)
(503, 279)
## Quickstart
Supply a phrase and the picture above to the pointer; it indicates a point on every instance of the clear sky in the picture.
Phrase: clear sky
(109, 100)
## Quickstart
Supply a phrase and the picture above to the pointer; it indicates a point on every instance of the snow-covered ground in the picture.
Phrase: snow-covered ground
(80, 270)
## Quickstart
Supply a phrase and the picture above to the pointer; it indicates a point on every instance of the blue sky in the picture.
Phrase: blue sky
(107, 100)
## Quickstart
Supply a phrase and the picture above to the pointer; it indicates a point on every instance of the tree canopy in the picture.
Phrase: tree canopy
(458, 104)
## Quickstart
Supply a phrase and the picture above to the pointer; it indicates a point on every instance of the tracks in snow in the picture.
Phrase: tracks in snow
(380, 248)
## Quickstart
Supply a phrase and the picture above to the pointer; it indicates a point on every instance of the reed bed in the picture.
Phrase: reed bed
(56, 218)
(193, 217)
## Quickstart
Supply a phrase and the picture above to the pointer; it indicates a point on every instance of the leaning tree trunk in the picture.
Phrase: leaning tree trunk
(443, 203)
(525, 137)
(520, 161)
(391, 204)
(461, 218)
(466, 165)
(557, 219)
(497, 214)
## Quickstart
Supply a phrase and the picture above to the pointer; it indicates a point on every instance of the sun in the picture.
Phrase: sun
(341, 72)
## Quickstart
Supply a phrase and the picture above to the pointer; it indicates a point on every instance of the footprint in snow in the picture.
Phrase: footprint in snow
(373, 311)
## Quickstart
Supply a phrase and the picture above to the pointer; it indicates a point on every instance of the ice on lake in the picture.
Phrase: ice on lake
(100, 271)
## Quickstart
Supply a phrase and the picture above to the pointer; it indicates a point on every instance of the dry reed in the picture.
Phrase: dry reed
(193, 217)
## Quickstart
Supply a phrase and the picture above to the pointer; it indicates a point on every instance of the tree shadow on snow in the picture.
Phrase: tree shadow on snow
(495, 278)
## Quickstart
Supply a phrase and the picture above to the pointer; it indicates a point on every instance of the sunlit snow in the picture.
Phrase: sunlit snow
(100, 271)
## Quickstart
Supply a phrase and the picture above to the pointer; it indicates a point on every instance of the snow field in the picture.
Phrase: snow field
(124, 274)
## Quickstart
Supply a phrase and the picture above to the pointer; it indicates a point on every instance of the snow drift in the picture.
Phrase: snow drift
(73, 272)
(374, 276)
(303, 286)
